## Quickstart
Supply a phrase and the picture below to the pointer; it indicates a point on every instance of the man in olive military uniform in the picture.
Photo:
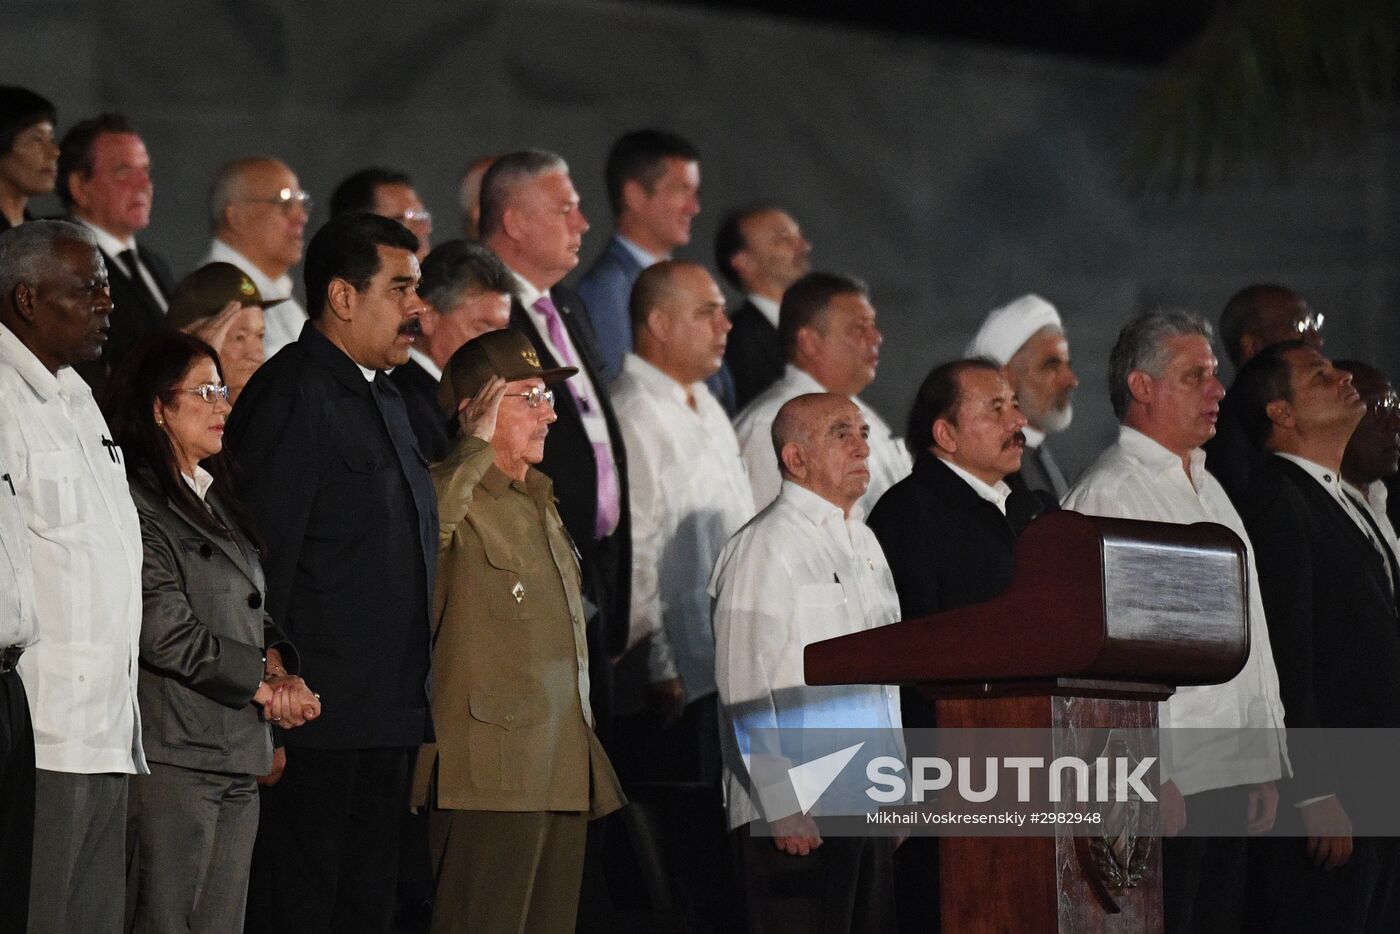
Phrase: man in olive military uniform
(516, 772)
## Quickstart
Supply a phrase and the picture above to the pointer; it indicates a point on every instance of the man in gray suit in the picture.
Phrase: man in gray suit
(1027, 340)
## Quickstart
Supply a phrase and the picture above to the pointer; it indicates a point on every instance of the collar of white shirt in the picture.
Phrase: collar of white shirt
(1373, 494)
(767, 307)
(46, 385)
(1330, 479)
(817, 509)
(640, 255)
(426, 362)
(1034, 437)
(996, 495)
(109, 244)
(529, 292)
(661, 383)
(279, 288)
(1154, 455)
(200, 482)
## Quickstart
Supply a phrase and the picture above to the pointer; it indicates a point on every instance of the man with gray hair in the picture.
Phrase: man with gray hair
(530, 218)
(70, 483)
(1027, 339)
(1165, 391)
(467, 290)
(258, 212)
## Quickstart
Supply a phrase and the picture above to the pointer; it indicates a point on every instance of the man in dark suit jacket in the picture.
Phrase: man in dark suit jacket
(332, 473)
(1255, 317)
(468, 291)
(760, 251)
(1328, 583)
(104, 180)
(946, 537)
(530, 218)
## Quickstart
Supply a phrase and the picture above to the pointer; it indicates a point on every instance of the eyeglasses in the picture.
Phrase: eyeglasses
(210, 392)
(1311, 322)
(411, 216)
(1386, 405)
(535, 396)
(286, 199)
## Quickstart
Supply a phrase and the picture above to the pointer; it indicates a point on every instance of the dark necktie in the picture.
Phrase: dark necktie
(1378, 541)
(132, 267)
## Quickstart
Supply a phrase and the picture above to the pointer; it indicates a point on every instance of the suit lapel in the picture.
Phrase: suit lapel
(226, 544)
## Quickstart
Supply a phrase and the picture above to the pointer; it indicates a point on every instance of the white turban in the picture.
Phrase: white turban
(1007, 329)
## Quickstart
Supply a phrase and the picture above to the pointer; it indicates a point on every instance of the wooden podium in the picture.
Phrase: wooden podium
(1103, 619)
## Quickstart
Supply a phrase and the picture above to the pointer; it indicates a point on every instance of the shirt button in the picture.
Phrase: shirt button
(254, 600)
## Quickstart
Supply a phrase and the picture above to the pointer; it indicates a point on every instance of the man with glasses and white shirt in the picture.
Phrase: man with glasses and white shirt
(259, 211)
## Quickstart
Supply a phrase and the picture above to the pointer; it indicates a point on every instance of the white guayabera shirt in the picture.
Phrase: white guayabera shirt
(798, 573)
(889, 460)
(689, 493)
(1137, 478)
(85, 540)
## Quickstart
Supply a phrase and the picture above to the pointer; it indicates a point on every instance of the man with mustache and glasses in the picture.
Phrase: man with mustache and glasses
(1255, 317)
(1164, 389)
(1028, 340)
(332, 473)
(946, 536)
(516, 772)
(104, 180)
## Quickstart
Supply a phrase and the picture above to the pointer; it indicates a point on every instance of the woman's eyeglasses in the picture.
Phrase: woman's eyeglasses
(210, 392)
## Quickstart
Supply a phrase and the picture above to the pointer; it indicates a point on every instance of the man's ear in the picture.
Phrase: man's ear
(26, 301)
(340, 300)
(794, 460)
(511, 224)
(1280, 412)
(634, 194)
(1250, 345)
(743, 264)
(808, 341)
(945, 435)
(1140, 387)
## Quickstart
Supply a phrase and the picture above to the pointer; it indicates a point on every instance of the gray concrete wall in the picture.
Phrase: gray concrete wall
(953, 179)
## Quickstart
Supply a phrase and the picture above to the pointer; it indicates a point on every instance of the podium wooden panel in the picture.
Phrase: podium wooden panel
(1103, 619)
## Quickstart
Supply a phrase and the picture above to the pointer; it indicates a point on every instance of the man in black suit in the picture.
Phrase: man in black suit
(468, 291)
(759, 250)
(530, 218)
(333, 475)
(1328, 581)
(945, 534)
(1255, 317)
(104, 181)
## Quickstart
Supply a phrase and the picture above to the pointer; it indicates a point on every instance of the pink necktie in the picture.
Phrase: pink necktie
(609, 492)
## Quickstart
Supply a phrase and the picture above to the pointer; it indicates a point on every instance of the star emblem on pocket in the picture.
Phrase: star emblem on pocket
(518, 592)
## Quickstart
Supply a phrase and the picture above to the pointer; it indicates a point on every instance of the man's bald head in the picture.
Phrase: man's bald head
(1263, 314)
(820, 441)
(679, 323)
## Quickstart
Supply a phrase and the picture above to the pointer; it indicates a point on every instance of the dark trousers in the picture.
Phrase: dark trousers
(1203, 878)
(327, 853)
(16, 803)
(844, 886)
(1289, 894)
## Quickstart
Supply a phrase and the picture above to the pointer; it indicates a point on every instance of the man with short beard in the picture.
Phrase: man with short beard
(1027, 339)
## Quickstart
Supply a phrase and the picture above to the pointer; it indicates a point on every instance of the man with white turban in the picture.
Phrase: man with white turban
(1027, 340)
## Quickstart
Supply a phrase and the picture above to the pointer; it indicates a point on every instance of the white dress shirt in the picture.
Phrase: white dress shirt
(767, 307)
(1374, 497)
(889, 460)
(1137, 478)
(798, 573)
(17, 626)
(282, 322)
(996, 495)
(114, 247)
(84, 536)
(689, 494)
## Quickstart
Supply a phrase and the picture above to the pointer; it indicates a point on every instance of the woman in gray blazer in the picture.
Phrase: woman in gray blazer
(215, 669)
